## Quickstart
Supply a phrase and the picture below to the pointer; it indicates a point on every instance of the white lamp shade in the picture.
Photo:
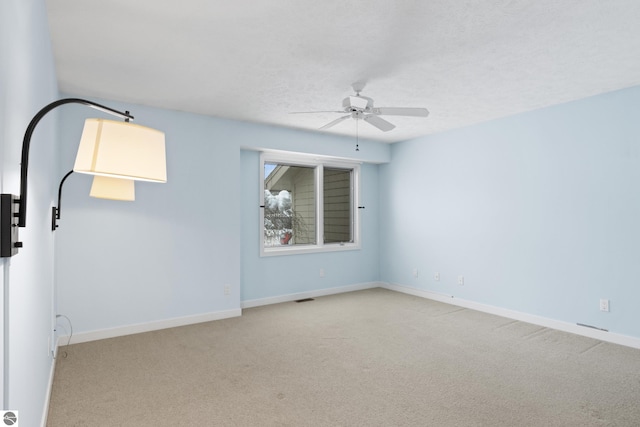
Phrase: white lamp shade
(113, 188)
(121, 150)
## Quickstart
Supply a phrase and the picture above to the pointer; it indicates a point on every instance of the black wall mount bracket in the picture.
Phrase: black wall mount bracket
(9, 216)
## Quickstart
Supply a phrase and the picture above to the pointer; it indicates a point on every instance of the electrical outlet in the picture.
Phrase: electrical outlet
(436, 277)
(415, 272)
(322, 272)
(604, 304)
(461, 280)
(227, 289)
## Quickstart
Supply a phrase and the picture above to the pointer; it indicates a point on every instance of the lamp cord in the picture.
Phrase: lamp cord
(64, 353)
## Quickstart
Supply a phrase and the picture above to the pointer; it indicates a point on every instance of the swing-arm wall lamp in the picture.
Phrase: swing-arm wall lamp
(107, 148)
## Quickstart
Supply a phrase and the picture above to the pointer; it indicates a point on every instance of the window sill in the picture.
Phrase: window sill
(308, 249)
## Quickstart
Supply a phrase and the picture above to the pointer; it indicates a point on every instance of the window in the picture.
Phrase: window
(309, 204)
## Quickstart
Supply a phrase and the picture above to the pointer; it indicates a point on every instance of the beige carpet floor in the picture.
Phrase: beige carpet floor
(367, 358)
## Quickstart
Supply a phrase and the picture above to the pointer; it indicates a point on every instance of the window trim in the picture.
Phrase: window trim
(318, 163)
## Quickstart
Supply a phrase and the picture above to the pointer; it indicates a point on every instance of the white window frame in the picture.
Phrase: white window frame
(318, 163)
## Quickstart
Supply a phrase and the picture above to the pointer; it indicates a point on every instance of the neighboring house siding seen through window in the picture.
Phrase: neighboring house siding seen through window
(309, 204)
(337, 205)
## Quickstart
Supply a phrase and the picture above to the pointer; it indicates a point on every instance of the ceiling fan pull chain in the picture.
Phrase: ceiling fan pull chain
(357, 137)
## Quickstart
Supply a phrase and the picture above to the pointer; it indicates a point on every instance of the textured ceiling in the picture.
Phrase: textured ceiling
(466, 61)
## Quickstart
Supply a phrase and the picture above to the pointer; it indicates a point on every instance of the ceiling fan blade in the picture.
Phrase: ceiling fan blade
(312, 112)
(402, 111)
(335, 122)
(376, 121)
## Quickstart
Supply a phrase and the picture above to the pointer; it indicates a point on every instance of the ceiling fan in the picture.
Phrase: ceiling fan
(361, 107)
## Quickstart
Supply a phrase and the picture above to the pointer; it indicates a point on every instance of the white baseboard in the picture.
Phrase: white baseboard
(517, 315)
(308, 294)
(47, 399)
(149, 326)
(207, 317)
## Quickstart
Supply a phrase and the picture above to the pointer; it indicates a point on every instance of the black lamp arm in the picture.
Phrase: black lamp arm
(55, 211)
(26, 142)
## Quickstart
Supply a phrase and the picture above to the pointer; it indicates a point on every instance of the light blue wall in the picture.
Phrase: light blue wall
(170, 253)
(291, 274)
(538, 211)
(27, 83)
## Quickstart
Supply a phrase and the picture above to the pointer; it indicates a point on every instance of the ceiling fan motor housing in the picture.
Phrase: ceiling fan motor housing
(357, 103)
